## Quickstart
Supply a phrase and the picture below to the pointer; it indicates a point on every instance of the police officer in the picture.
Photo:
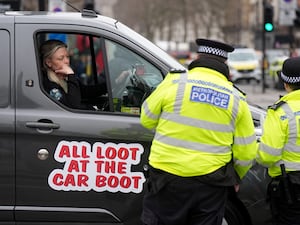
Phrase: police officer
(204, 141)
(279, 147)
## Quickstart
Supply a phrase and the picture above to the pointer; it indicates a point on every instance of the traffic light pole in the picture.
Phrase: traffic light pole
(263, 61)
(267, 27)
(263, 51)
(42, 5)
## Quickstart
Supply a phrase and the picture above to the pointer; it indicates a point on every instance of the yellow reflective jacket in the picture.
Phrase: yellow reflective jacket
(280, 140)
(201, 122)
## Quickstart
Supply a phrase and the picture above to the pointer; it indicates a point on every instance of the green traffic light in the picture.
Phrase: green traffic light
(269, 27)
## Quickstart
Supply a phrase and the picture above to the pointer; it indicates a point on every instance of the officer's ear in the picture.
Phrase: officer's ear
(287, 87)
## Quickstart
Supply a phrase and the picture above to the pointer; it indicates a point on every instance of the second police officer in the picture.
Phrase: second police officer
(204, 141)
(279, 148)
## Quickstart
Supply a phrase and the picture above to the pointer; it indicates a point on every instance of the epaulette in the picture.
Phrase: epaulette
(173, 70)
(239, 90)
(276, 105)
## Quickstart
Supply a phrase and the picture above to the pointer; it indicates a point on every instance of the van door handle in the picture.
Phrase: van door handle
(43, 125)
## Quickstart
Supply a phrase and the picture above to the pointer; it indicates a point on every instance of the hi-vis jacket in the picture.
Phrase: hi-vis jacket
(201, 122)
(280, 141)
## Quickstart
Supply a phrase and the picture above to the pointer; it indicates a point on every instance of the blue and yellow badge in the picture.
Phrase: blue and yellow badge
(56, 94)
(209, 96)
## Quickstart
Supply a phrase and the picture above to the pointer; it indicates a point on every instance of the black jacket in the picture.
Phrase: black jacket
(76, 92)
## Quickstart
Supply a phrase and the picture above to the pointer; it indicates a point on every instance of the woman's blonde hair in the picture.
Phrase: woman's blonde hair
(48, 48)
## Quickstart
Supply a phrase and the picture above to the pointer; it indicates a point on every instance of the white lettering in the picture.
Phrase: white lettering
(209, 96)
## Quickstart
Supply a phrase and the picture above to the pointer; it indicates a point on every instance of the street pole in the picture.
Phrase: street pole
(41, 5)
(263, 62)
(291, 34)
(263, 49)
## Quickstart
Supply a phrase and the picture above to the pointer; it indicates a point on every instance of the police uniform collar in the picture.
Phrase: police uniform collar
(293, 95)
(211, 64)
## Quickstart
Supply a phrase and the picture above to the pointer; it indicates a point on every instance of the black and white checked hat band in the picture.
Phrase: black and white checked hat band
(213, 51)
(289, 79)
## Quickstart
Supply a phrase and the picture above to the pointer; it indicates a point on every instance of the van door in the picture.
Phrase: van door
(7, 121)
(73, 165)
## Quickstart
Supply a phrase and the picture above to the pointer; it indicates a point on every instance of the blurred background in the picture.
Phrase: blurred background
(180, 21)
(175, 24)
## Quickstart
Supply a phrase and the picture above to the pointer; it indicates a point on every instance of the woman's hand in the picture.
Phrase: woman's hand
(64, 71)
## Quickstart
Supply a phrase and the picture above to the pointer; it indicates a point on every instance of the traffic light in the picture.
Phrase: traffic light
(268, 18)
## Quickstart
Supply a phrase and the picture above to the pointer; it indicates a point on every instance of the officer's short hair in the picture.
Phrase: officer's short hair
(295, 87)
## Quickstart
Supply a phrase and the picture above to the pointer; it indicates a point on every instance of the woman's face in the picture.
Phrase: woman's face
(58, 59)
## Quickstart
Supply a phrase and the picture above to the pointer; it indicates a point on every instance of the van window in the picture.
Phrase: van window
(111, 77)
(132, 77)
(86, 89)
(5, 68)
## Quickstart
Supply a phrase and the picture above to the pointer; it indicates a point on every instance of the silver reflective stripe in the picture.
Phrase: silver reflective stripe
(180, 92)
(244, 140)
(289, 165)
(148, 112)
(195, 122)
(291, 146)
(191, 145)
(271, 151)
(243, 162)
(235, 107)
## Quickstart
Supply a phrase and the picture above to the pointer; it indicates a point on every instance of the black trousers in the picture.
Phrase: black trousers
(173, 200)
(284, 212)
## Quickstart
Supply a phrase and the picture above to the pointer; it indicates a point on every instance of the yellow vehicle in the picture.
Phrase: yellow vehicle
(244, 65)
